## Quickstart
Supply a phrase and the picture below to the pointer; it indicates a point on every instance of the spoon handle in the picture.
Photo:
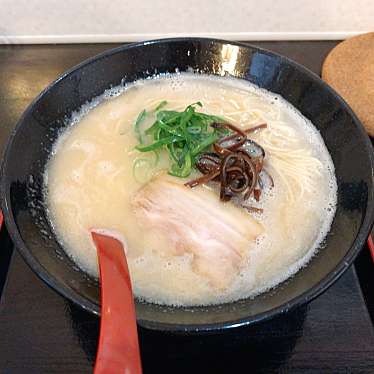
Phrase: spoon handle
(118, 350)
(370, 243)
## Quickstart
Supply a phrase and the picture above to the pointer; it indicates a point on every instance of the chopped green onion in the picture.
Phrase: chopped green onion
(183, 171)
(198, 103)
(167, 128)
(151, 129)
(194, 130)
(161, 105)
(155, 145)
(184, 135)
(167, 115)
(141, 169)
(173, 151)
(209, 140)
(139, 120)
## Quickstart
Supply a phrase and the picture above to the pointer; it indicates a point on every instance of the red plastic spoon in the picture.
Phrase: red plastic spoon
(118, 350)
(371, 245)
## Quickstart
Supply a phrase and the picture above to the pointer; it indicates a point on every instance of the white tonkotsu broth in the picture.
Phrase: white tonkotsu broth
(90, 183)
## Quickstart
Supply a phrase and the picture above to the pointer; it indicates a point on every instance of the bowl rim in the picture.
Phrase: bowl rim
(91, 306)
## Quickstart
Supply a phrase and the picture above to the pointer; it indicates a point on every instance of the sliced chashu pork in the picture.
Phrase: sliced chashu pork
(219, 235)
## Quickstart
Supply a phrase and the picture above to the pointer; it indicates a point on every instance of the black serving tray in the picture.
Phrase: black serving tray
(41, 332)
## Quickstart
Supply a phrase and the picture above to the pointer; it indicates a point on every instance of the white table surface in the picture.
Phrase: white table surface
(76, 21)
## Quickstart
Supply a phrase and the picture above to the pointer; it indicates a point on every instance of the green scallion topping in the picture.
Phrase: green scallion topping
(161, 105)
(184, 135)
(138, 122)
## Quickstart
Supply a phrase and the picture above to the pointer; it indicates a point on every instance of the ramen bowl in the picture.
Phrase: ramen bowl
(31, 143)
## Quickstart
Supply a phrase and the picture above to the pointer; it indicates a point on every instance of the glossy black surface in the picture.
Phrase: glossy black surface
(344, 136)
(43, 333)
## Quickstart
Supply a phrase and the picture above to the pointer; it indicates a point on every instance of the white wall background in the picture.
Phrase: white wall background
(51, 21)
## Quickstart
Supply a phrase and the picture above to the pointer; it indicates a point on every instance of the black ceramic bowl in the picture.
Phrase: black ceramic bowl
(31, 142)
